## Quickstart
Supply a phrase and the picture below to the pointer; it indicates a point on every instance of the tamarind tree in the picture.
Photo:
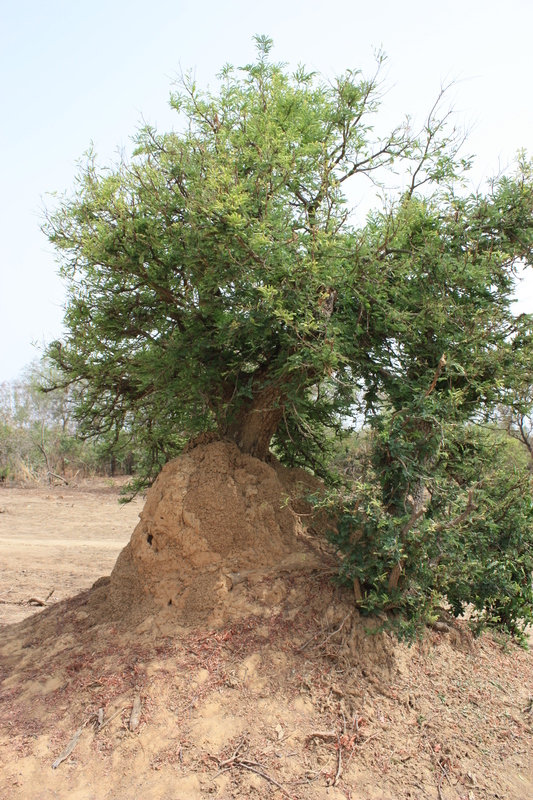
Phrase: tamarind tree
(217, 282)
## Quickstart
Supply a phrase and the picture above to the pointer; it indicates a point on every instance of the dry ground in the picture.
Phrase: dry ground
(279, 703)
(59, 538)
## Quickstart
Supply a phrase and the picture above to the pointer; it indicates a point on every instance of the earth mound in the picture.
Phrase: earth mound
(270, 685)
(212, 515)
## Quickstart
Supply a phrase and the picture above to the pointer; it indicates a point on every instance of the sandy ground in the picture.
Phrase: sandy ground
(289, 701)
(60, 539)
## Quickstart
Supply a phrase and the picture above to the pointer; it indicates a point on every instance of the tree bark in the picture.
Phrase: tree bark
(256, 422)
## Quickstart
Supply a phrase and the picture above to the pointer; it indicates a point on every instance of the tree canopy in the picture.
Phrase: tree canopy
(217, 281)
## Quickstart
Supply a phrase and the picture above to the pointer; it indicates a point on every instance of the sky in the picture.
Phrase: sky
(74, 72)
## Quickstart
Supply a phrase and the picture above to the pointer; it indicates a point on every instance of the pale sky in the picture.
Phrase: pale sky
(75, 72)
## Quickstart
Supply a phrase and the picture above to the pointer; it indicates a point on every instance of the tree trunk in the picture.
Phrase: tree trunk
(256, 422)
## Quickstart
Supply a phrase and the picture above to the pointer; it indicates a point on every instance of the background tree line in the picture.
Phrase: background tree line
(39, 437)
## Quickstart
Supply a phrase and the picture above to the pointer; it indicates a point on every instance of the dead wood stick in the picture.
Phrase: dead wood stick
(321, 735)
(135, 717)
(265, 776)
(68, 749)
(314, 636)
(111, 718)
(339, 629)
(339, 768)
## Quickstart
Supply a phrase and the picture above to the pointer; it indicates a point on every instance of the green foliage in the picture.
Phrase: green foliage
(471, 548)
(220, 263)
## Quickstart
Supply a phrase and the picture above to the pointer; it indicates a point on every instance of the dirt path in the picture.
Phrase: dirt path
(58, 538)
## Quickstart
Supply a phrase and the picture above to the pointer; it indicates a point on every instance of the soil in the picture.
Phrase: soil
(59, 538)
(270, 685)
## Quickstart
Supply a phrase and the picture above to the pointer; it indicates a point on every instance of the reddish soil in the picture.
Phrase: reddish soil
(288, 694)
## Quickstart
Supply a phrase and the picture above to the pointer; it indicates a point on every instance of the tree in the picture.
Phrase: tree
(217, 282)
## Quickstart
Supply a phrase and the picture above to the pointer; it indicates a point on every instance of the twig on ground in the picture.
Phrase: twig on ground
(111, 718)
(68, 749)
(135, 717)
(321, 735)
(339, 768)
(265, 776)
(245, 763)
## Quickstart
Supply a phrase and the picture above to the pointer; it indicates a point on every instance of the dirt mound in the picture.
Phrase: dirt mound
(293, 700)
(211, 515)
(283, 691)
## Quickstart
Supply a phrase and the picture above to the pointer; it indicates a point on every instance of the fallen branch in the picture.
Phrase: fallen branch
(111, 718)
(68, 749)
(339, 768)
(135, 717)
(322, 735)
(34, 601)
(265, 776)
(245, 763)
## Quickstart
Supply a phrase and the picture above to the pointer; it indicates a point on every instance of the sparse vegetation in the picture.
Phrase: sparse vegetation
(39, 435)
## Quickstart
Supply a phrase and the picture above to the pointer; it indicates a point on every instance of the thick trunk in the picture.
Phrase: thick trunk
(256, 422)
